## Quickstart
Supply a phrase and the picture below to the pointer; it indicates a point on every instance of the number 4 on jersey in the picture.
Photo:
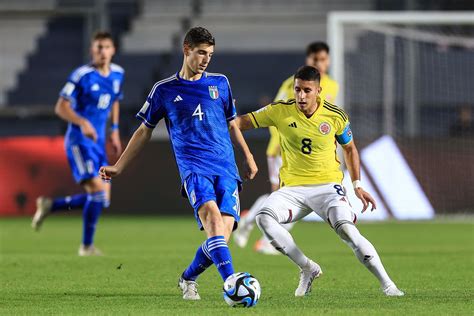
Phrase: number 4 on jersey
(198, 112)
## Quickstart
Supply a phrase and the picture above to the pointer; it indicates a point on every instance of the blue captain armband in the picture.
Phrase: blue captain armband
(346, 136)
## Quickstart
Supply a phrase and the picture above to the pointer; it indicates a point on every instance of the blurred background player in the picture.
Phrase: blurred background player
(311, 179)
(92, 93)
(317, 55)
(199, 112)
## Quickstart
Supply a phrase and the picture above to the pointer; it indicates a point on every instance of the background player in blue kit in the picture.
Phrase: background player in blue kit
(199, 112)
(91, 94)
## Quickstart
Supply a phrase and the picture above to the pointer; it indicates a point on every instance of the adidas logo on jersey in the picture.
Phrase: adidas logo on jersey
(95, 87)
(293, 125)
(178, 98)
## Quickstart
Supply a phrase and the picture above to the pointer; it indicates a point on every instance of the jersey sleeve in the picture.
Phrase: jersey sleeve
(72, 89)
(264, 117)
(152, 110)
(229, 104)
(343, 132)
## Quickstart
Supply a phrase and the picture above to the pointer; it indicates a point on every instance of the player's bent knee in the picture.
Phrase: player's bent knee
(265, 220)
(211, 218)
(346, 230)
(94, 185)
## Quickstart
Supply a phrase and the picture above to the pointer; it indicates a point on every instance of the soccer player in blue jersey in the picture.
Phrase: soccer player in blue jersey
(199, 113)
(90, 96)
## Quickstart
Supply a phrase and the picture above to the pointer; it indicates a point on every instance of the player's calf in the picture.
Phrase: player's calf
(218, 231)
(362, 248)
(96, 199)
(279, 237)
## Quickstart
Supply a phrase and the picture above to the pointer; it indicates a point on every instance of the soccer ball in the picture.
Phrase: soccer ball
(241, 289)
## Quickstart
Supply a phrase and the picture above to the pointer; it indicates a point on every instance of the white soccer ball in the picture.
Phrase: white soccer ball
(241, 289)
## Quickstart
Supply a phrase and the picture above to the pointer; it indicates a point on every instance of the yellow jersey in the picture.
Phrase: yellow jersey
(329, 91)
(308, 145)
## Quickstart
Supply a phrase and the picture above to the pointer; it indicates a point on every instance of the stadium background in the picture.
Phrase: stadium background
(259, 44)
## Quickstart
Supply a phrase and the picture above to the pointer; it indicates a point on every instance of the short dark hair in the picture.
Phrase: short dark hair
(198, 35)
(101, 35)
(316, 47)
(308, 73)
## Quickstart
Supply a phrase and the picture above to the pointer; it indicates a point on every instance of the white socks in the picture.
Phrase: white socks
(340, 219)
(280, 238)
(362, 248)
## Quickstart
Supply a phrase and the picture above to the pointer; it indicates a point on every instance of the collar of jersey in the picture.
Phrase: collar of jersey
(98, 72)
(315, 114)
(204, 76)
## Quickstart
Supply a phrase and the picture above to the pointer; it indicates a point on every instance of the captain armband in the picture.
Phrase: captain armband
(346, 136)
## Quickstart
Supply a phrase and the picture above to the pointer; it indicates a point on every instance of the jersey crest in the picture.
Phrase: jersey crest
(324, 128)
(213, 92)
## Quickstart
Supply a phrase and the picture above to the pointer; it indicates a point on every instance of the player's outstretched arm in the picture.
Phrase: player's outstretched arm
(141, 136)
(64, 110)
(238, 139)
(244, 122)
(351, 156)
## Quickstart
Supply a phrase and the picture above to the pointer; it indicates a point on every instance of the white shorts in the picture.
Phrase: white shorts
(290, 204)
(274, 165)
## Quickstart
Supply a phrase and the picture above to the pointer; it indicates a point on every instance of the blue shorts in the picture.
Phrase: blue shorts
(85, 161)
(223, 190)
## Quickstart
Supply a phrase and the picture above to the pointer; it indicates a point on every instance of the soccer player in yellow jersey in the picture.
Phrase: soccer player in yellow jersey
(317, 55)
(310, 177)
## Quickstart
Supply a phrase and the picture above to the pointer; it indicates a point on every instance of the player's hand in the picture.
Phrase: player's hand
(366, 199)
(108, 172)
(116, 143)
(250, 168)
(88, 130)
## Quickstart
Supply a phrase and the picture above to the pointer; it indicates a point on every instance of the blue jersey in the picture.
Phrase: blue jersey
(196, 115)
(92, 95)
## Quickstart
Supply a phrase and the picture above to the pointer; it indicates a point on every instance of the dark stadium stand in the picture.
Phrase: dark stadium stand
(61, 49)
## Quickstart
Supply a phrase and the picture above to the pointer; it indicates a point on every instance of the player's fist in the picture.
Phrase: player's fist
(366, 199)
(250, 168)
(88, 130)
(108, 172)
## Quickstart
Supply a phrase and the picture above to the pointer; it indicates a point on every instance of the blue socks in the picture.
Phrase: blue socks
(213, 250)
(69, 202)
(220, 255)
(202, 261)
(90, 216)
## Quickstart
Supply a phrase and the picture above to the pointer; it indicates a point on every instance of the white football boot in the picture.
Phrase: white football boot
(392, 290)
(307, 276)
(43, 208)
(89, 251)
(189, 289)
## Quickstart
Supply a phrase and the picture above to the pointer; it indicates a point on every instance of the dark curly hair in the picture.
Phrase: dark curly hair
(198, 35)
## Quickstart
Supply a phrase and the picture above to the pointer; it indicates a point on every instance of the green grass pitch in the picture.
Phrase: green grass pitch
(41, 273)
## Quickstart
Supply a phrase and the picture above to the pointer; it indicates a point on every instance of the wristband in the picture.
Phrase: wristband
(357, 184)
(114, 127)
